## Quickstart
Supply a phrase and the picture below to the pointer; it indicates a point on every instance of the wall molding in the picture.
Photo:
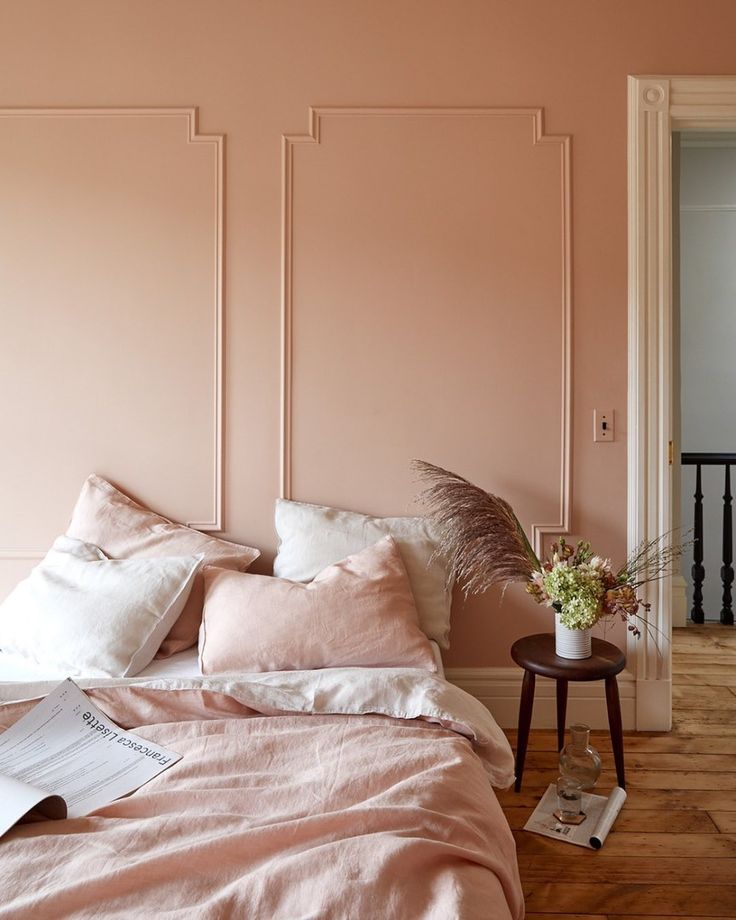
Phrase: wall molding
(536, 116)
(499, 689)
(217, 141)
(21, 555)
(658, 105)
(708, 139)
(707, 207)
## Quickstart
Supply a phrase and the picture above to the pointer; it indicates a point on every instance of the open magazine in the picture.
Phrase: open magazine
(66, 758)
(600, 813)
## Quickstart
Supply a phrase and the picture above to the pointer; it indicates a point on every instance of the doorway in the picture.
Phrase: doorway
(658, 107)
(704, 373)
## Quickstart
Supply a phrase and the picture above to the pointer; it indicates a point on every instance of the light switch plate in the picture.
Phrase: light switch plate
(603, 427)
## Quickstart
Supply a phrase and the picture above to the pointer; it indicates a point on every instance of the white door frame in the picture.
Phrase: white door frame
(658, 105)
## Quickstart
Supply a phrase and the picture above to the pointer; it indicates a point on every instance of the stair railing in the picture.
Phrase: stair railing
(698, 460)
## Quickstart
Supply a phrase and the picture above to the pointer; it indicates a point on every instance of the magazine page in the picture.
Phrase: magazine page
(17, 799)
(66, 746)
(600, 814)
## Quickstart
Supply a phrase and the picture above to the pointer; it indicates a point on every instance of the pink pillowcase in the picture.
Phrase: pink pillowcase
(359, 612)
(123, 529)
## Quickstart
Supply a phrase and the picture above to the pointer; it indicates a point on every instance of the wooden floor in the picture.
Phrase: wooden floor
(673, 850)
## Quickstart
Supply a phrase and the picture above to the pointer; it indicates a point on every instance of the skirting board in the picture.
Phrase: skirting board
(499, 689)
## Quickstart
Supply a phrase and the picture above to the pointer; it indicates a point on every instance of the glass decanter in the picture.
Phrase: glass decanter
(578, 759)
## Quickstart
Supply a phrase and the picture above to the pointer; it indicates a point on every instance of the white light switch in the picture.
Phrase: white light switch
(603, 429)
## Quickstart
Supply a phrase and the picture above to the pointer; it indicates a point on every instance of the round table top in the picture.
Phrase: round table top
(537, 654)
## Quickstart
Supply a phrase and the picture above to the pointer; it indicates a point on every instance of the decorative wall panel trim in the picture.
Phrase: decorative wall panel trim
(217, 142)
(538, 137)
(20, 555)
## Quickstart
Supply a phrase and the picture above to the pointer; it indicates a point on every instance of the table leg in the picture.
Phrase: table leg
(617, 734)
(525, 720)
(561, 712)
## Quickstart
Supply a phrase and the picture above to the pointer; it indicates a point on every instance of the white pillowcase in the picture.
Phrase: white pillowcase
(64, 547)
(313, 537)
(85, 615)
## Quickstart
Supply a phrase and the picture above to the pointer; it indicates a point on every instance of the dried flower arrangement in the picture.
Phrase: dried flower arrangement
(486, 545)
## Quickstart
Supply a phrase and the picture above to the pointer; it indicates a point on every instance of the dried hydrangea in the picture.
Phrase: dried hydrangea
(577, 591)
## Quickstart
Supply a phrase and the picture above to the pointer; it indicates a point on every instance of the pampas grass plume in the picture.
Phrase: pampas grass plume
(479, 532)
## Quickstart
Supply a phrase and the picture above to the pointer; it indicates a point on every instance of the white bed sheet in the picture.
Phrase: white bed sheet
(15, 670)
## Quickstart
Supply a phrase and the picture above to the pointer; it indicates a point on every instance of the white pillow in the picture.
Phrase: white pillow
(313, 537)
(64, 547)
(83, 614)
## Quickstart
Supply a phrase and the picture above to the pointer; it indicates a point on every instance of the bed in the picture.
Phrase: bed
(310, 792)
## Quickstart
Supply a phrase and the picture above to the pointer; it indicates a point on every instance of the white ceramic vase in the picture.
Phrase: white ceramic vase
(572, 643)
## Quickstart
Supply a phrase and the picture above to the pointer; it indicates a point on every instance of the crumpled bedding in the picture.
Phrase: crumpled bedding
(343, 793)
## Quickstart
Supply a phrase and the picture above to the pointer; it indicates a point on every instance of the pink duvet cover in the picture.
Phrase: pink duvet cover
(282, 816)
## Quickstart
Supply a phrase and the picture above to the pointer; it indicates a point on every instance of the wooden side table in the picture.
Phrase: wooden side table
(536, 655)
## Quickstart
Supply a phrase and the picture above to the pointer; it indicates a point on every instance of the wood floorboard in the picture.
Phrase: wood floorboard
(697, 846)
(697, 667)
(653, 779)
(658, 916)
(694, 697)
(641, 742)
(672, 854)
(623, 899)
(637, 760)
(707, 679)
(725, 821)
(689, 727)
(567, 916)
(699, 719)
(628, 869)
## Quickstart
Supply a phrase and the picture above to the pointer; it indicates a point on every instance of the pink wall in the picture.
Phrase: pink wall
(447, 348)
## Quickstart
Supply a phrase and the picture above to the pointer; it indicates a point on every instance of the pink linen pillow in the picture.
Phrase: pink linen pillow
(123, 529)
(359, 612)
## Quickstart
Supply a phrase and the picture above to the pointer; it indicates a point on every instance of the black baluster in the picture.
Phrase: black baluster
(727, 568)
(698, 572)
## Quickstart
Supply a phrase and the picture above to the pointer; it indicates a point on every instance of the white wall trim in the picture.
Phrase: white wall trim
(657, 106)
(217, 141)
(20, 555)
(499, 689)
(707, 207)
(708, 139)
(536, 116)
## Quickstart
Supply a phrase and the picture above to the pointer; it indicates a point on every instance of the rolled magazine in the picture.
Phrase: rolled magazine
(600, 814)
(614, 804)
